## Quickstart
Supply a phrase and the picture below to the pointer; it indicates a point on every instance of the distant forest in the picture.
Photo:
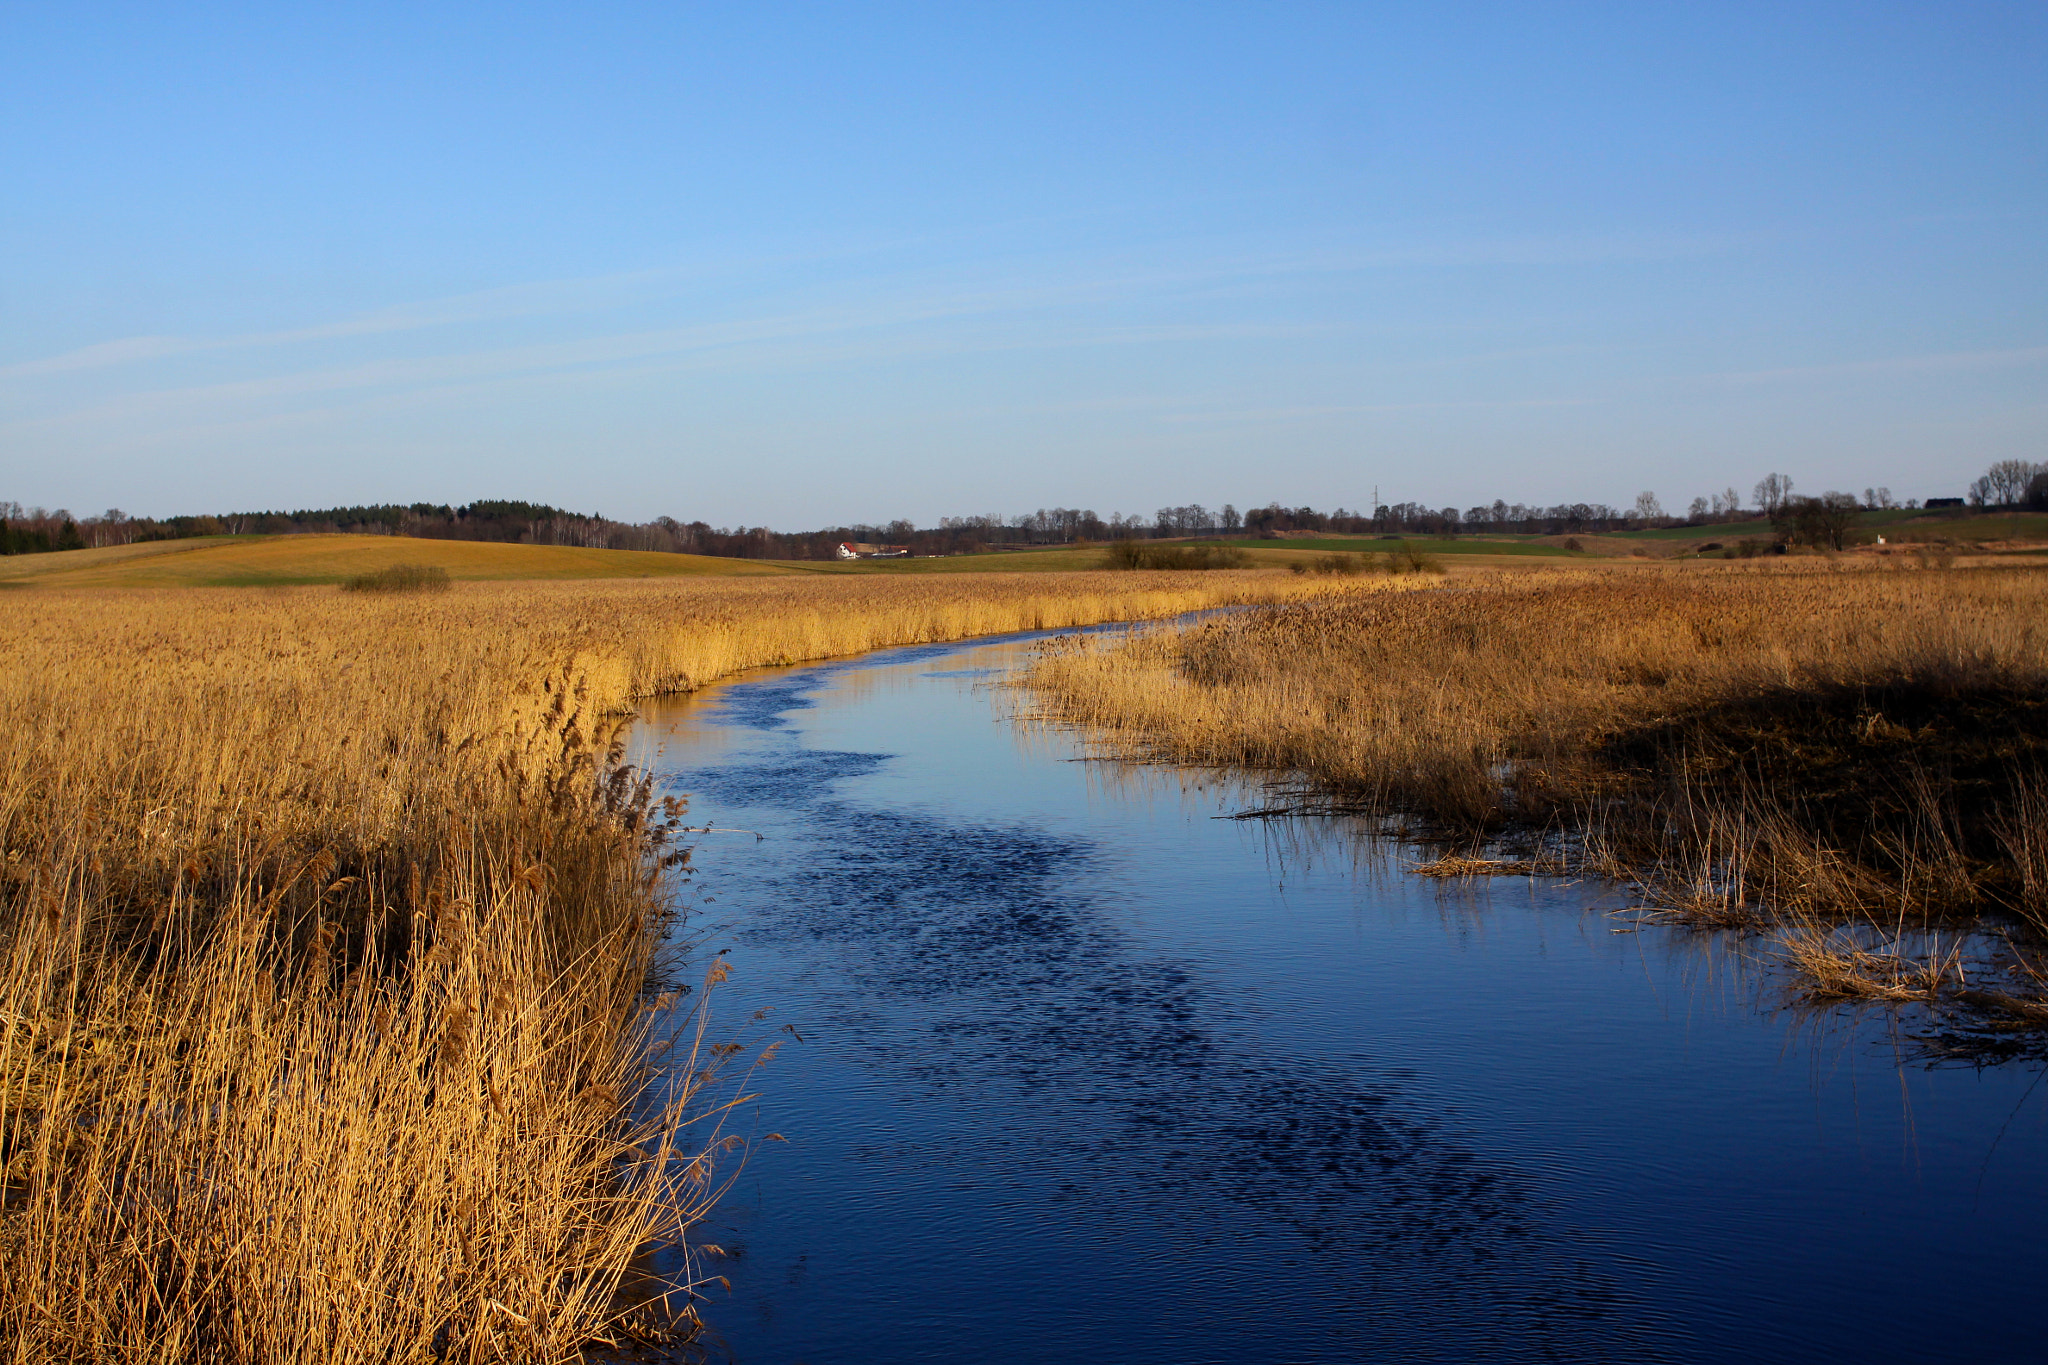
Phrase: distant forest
(2010, 483)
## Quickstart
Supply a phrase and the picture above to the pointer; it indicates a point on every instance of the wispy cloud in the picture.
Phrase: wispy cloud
(1315, 410)
(1937, 363)
(1054, 282)
(490, 305)
(126, 351)
(767, 313)
(865, 333)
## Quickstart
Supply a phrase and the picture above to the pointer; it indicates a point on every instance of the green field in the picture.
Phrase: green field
(1437, 545)
(1980, 527)
(1909, 523)
(1722, 531)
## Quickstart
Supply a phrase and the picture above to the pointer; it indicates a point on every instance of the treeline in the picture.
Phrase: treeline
(2012, 483)
(2008, 484)
(502, 521)
(37, 531)
(540, 524)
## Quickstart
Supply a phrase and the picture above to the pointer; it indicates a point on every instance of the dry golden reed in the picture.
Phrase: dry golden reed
(1797, 743)
(325, 926)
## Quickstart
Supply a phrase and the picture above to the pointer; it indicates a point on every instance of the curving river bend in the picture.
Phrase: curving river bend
(1087, 1074)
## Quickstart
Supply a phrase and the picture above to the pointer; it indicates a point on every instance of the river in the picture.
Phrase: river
(1074, 1070)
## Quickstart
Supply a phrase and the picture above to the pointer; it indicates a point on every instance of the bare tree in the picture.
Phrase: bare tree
(2005, 483)
(1648, 509)
(1699, 511)
(1771, 492)
(111, 527)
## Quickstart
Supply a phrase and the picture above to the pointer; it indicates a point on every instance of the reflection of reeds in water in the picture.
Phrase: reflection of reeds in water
(1717, 964)
(1377, 854)
(1753, 744)
(325, 926)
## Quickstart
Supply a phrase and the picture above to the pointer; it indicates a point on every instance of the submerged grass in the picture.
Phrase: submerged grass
(1791, 745)
(326, 930)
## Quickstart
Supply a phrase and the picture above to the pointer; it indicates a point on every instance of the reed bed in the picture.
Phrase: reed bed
(327, 926)
(1847, 759)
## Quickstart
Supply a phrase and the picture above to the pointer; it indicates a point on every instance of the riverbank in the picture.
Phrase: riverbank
(1851, 761)
(327, 924)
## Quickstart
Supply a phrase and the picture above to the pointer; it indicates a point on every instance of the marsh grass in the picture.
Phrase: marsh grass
(400, 578)
(327, 927)
(293, 1078)
(1793, 746)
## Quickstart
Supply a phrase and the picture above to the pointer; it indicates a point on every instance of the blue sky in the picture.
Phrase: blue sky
(805, 265)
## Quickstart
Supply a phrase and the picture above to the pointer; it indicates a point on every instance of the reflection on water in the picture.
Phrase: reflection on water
(1087, 1073)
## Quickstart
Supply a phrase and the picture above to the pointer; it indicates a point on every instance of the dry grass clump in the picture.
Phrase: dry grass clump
(1837, 968)
(400, 578)
(1756, 742)
(1462, 865)
(326, 922)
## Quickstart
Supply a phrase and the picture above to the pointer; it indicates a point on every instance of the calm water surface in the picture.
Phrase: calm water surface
(1088, 1074)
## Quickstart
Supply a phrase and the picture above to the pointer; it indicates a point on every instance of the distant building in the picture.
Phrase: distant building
(857, 549)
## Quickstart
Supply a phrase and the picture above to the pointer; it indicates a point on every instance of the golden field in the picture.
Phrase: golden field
(328, 922)
(1828, 751)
